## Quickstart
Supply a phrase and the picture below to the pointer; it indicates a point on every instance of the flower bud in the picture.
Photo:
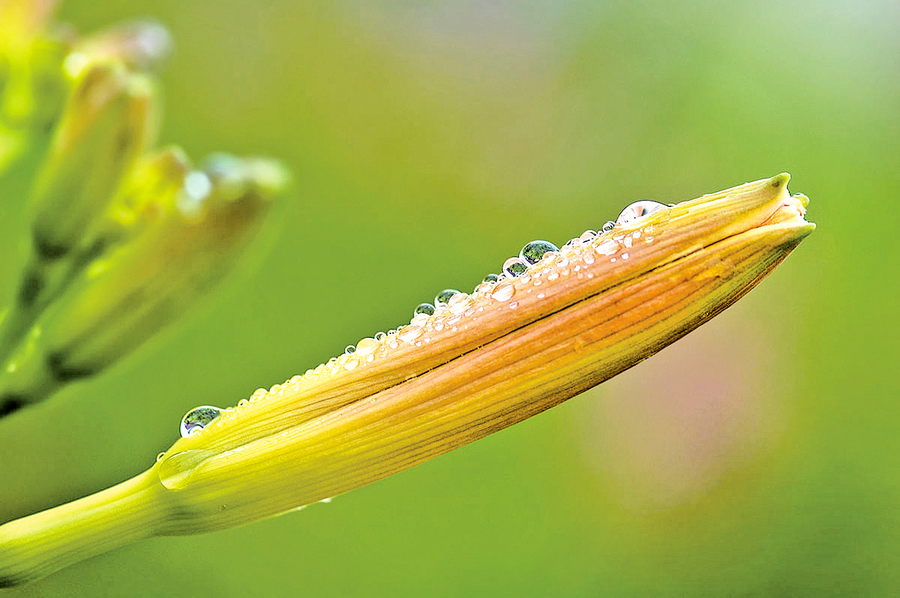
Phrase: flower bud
(107, 121)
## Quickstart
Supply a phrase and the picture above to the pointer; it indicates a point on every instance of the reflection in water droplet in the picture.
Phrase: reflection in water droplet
(535, 250)
(349, 349)
(608, 226)
(424, 308)
(459, 303)
(444, 296)
(514, 266)
(160, 456)
(380, 336)
(491, 278)
(503, 292)
(197, 419)
(638, 210)
(351, 363)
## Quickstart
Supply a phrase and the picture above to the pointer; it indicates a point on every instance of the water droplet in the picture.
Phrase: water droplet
(484, 287)
(503, 292)
(607, 247)
(625, 256)
(419, 320)
(514, 305)
(410, 333)
(366, 346)
(197, 419)
(351, 363)
(491, 278)
(424, 308)
(608, 226)
(160, 456)
(327, 500)
(444, 296)
(459, 303)
(349, 350)
(514, 266)
(243, 403)
(587, 236)
(553, 276)
(534, 251)
(638, 210)
(380, 336)
(588, 259)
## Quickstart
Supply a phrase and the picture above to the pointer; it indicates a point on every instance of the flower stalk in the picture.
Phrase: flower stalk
(481, 362)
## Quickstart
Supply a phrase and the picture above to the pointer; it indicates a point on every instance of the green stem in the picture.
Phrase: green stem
(38, 545)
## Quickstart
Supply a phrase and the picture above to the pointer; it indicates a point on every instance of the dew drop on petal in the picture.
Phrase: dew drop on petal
(638, 210)
(424, 308)
(197, 419)
(410, 333)
(514, 266)
(444, 296)
(607, 247)
(503, 292)
(535, 250)
(459, 303)
(608, 226)
(366, 346)
(380, 336)
(491, 278)
(351, 363)
(349, 349)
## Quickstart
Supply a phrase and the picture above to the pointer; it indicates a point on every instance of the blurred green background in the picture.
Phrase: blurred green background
(759, 456)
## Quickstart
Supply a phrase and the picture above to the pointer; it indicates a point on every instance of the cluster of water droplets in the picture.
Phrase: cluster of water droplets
(537, 262)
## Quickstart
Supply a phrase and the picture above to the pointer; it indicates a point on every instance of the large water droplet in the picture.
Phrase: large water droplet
(424, 308)
(366, 346)
(534, 251)
(514, 266)
(444, 297)
(410, 333)
(197, 419)
(459, 303)
(638, 210)
(503, 292)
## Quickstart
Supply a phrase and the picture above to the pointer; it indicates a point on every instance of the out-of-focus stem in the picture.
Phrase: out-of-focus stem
(37, 545)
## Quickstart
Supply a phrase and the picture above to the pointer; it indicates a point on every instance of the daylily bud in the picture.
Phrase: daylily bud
(567, 321)
(190, 240)
(107, 121)
(145, 196)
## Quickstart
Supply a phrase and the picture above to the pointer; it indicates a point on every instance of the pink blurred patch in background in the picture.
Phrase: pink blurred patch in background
(674, 427)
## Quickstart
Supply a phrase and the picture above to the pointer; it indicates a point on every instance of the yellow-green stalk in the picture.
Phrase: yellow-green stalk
(482, 362)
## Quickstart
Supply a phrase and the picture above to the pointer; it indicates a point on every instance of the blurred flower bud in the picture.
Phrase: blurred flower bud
(136, 289)
(105, 124)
